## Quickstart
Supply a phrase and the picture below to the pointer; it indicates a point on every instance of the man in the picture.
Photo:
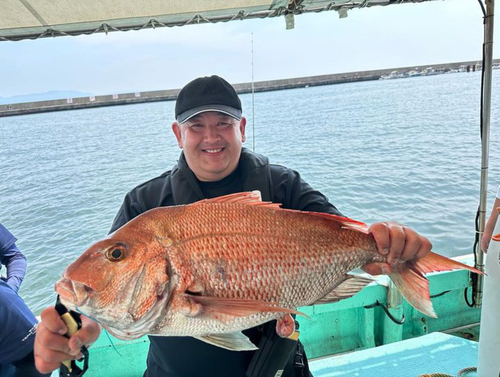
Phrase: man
(210, 130)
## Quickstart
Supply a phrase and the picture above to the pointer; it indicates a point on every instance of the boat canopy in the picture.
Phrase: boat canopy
(33, 19)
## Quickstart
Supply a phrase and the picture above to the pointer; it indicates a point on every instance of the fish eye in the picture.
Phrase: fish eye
(115, 254)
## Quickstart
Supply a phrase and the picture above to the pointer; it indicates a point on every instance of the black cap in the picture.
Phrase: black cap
(207, 94)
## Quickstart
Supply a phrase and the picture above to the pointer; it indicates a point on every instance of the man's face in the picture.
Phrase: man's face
(212, 144)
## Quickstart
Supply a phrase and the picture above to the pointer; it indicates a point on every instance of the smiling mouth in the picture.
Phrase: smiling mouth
(213, 151)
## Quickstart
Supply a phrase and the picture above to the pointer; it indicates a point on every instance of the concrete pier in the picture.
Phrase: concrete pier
(261, 86)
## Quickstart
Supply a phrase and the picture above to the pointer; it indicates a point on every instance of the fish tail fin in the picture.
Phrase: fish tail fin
(414, 286)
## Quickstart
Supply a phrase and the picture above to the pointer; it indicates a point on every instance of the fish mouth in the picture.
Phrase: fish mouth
(72, 293)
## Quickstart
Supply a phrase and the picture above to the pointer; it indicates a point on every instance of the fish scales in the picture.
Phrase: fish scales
(246, 252)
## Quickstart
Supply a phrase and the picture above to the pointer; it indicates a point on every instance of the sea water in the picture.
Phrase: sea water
(406, 150)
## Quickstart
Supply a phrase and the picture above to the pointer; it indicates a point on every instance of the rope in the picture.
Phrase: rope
(466, 370)
(460, 373)
(386, 310)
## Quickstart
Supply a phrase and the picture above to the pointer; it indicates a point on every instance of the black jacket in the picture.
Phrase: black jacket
(186, 356)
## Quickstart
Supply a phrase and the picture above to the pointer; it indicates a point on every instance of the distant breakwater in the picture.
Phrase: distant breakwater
(261, 86)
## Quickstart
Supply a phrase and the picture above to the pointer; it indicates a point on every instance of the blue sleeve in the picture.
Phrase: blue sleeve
(6, 239)
(12, 258)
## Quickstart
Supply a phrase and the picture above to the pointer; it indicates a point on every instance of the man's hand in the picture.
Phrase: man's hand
(399, 243)
(52, 347)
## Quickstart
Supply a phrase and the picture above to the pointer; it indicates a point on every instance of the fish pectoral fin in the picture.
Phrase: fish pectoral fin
(348, 288)
(236, 341)
(189, 307)
(222, 308)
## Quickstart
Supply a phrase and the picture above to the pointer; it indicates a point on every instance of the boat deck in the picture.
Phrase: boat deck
(432, 353)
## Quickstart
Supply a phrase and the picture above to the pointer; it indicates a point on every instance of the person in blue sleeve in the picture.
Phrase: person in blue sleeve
(17, 323)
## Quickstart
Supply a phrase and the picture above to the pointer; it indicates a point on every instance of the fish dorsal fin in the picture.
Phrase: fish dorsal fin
(348, 288)
(254, 198)
(250, 198)
(236, 341)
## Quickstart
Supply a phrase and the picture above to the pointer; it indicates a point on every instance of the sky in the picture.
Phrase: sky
(167, 58)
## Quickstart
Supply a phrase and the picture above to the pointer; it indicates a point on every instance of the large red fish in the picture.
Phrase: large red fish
(219, 266)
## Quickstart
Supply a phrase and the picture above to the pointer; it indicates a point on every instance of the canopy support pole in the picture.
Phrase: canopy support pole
(477, 288)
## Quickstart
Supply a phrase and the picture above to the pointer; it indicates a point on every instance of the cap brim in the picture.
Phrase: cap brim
(228, 110)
